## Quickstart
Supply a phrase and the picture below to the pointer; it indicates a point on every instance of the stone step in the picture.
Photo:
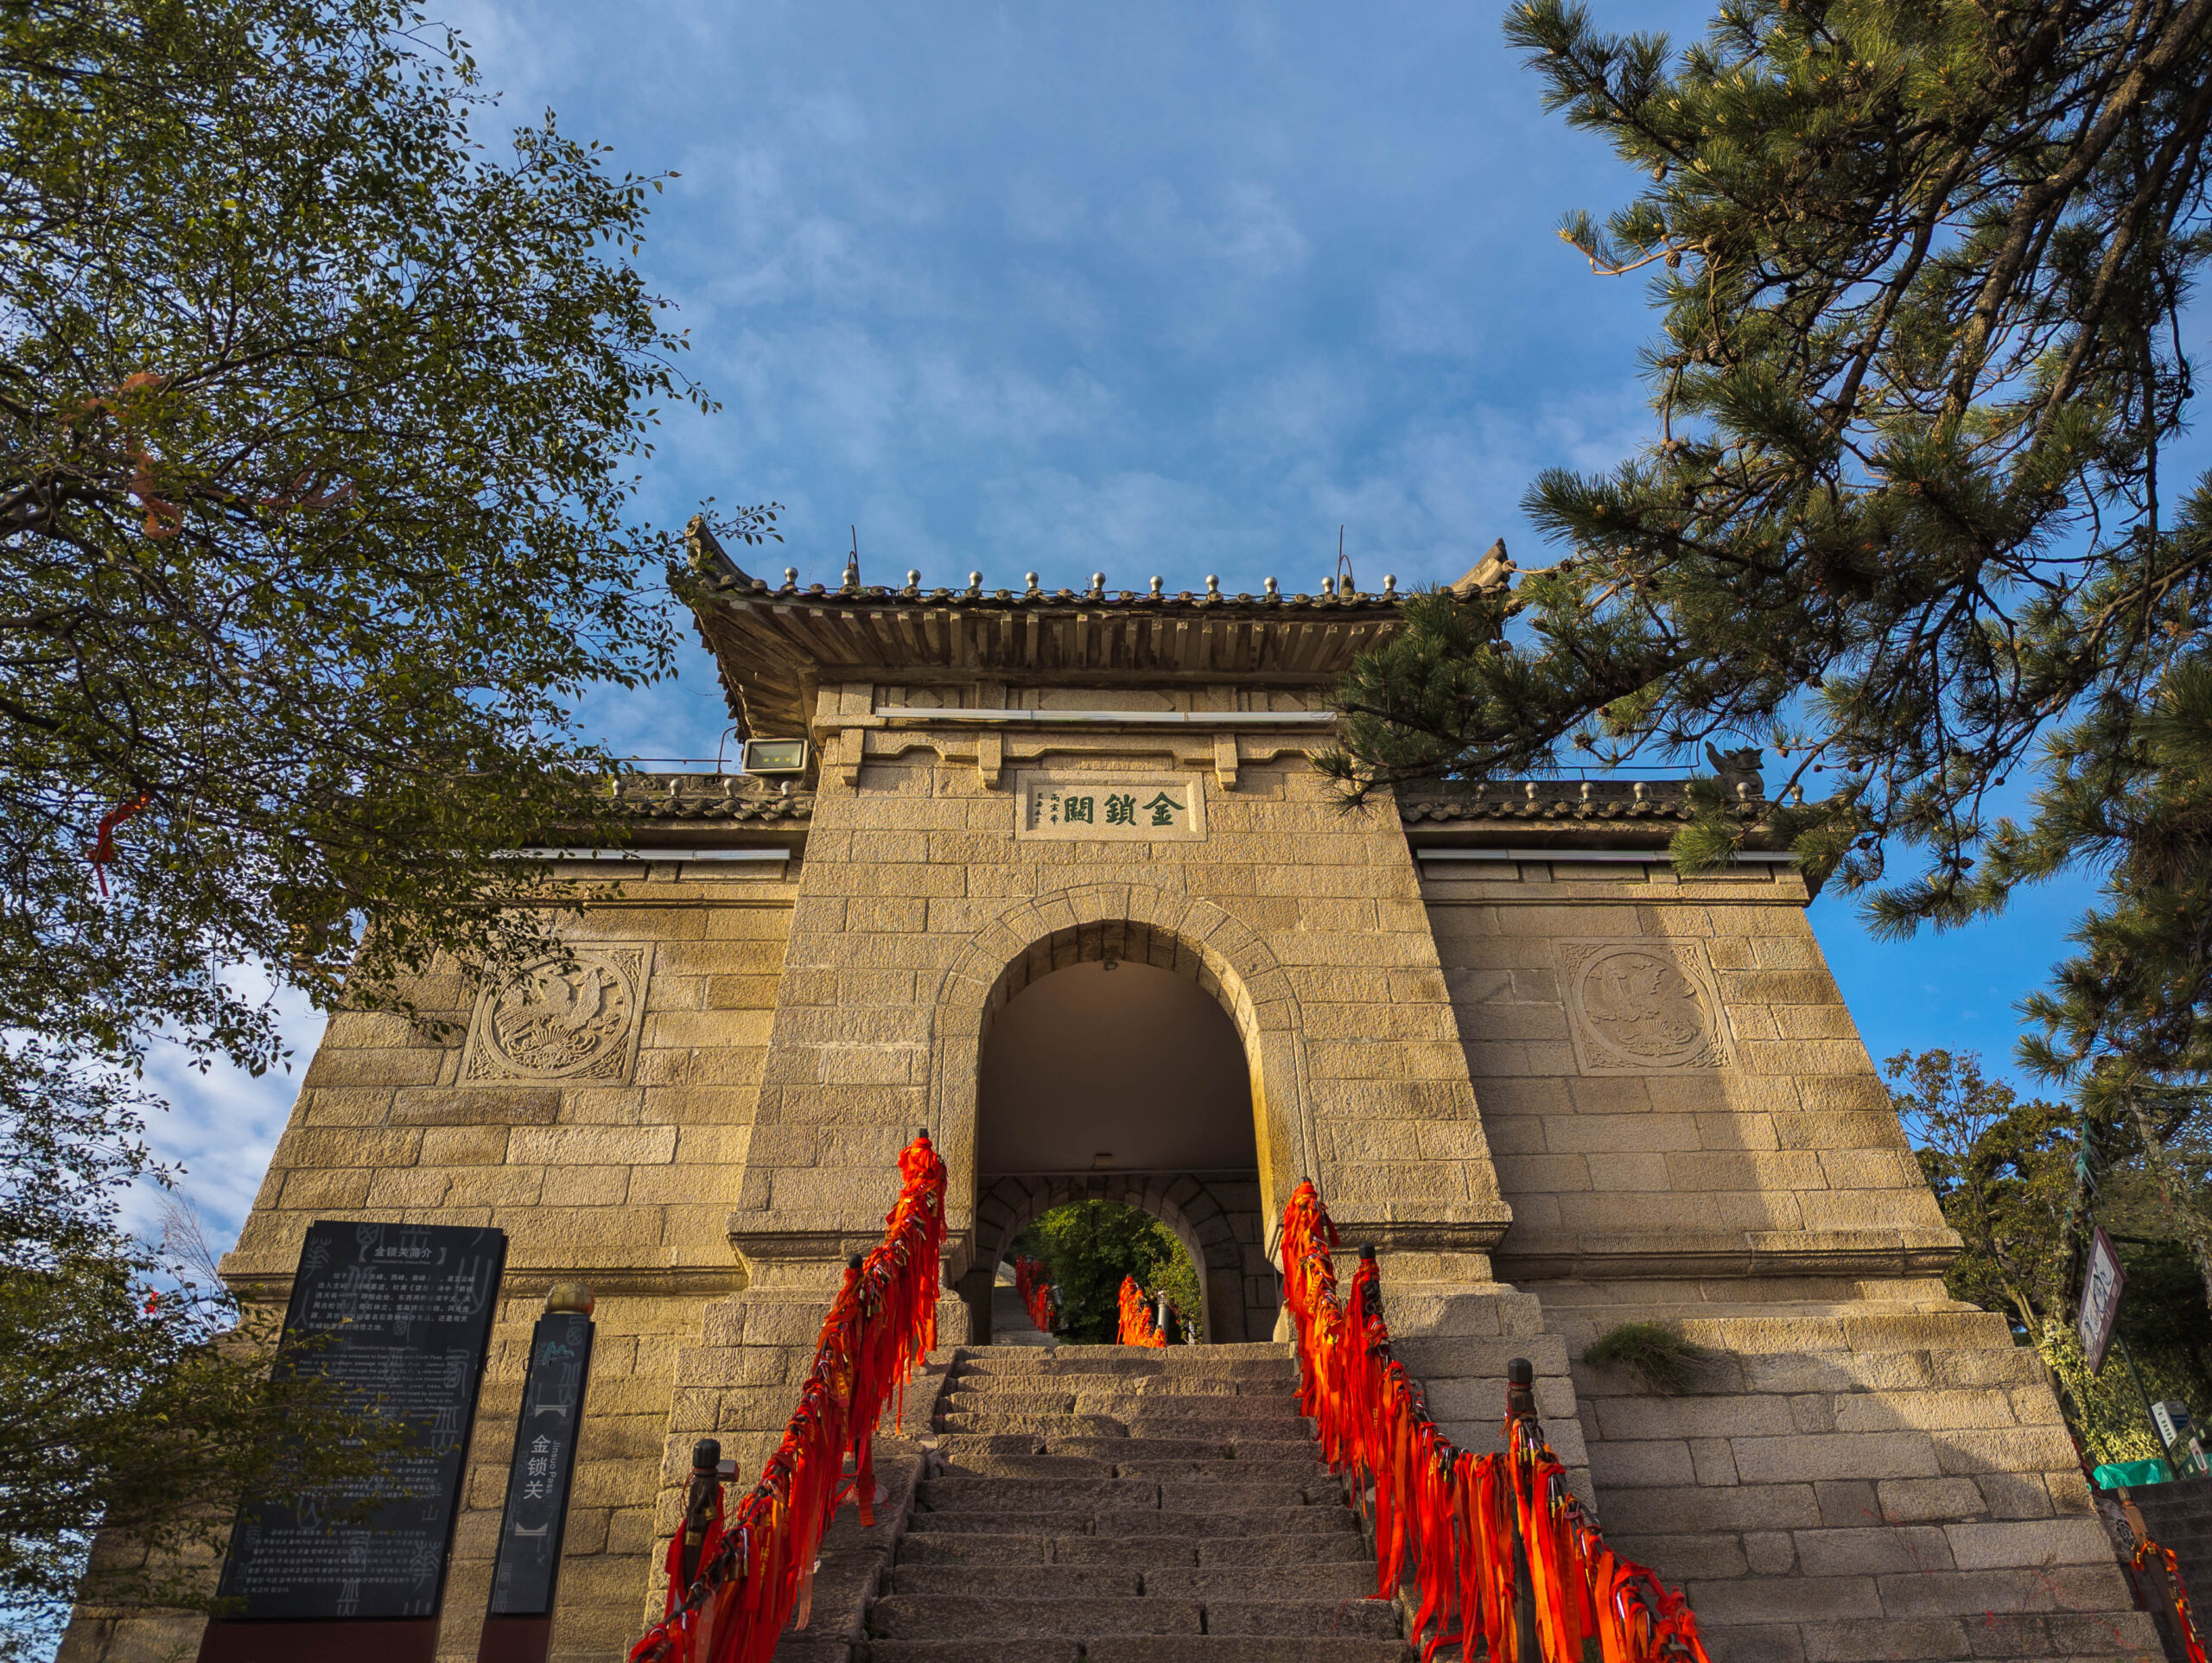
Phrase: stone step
(1054, 1424)
(1340, 1580)
(1148, 1422)
(1076, 1494)
(1133, 1448)
(1145, 1521)
(1235, 1649)
(1303, 1471)
(970, 1466)
(1058, 1398)
(1097, 1505)
(1138, 1648)
(926, 1616)
(1147, 1374)
(1288, 1521)
(982, 1547)
(954, 1445)
(1195, 1469)
(1067, 1354)
(1023, 1581)
(930, 1616)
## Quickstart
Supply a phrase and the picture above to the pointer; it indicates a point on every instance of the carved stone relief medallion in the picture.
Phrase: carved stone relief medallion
(580, 1021)
(1642, 1007)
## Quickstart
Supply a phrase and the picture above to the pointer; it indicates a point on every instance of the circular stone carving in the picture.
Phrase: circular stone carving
(1644, 1006)
(551, 1021)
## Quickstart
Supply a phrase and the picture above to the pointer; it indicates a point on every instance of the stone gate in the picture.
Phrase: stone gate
(1061, 885)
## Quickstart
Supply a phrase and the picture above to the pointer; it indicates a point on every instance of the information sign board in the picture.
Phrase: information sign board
(400, 1316)
(2102, 1283)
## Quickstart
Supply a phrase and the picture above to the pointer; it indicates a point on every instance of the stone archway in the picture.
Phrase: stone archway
(1239, 1300)
(1138, 925)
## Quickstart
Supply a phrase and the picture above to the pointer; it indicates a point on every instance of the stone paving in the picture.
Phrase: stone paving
(1131, 1509)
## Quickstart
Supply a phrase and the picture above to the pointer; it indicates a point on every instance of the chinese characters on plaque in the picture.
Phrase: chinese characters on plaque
(1111, 809)
(544, 1459)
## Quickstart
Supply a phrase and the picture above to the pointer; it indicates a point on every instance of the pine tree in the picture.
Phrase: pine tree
(1921, 266)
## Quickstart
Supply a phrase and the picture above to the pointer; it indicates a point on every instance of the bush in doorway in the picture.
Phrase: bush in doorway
(1089, 1246)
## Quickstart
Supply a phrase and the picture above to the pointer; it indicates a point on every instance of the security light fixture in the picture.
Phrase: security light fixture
(772, 756)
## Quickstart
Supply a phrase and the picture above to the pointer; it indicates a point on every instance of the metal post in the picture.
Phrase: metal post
(518, 1623)
(699, 1504)
(1520, 1404)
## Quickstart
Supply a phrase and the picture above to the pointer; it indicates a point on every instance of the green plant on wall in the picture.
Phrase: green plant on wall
(1089, 1246)
(1657, 1353)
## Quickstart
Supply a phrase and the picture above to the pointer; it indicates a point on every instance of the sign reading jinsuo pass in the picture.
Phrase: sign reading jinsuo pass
(397, 1315)
(1111, 808)
(544, 1460)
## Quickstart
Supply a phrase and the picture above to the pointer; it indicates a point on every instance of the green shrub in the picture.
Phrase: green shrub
(1657, 1353)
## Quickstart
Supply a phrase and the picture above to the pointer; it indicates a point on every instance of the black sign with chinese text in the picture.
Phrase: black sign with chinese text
(544, 1460)
(399, 1315)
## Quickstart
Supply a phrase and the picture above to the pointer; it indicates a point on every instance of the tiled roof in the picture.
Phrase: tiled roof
(737, 586)
(725, 798)
(774, 646)
(1566, 799)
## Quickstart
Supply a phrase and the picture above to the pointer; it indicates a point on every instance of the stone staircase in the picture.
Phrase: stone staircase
(1126, 1506)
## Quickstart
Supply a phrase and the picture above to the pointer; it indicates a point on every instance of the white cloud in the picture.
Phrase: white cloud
(221, 1127)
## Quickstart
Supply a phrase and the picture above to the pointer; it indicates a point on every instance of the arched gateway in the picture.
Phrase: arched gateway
(1555, 1085)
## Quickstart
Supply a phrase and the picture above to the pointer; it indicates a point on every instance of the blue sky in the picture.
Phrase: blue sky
(1137, 289)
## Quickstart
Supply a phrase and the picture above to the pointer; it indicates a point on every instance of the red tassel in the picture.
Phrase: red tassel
(758, 1574)
(1446, 1517)
(1137, 1327)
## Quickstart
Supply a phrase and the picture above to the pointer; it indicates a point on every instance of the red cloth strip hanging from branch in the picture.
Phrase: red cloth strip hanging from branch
(757, 1575)
(103, 849)
(1450, 1517)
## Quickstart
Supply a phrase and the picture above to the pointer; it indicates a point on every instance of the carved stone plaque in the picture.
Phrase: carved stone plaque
(580, 1022)
(1641, 1006)
(1110, 807)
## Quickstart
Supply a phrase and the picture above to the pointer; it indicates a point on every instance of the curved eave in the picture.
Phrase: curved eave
(773, 647)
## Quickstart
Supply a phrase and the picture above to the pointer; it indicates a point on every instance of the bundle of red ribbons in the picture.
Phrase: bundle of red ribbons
(1138, 1326)
(1449, 1516)
(2149, 1552)
(1034, 1282)
(756, 1563)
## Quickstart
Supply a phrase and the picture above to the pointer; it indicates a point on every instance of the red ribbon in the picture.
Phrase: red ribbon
(1137, 1327)
(1035, 1287)
(1450, 1515)
(103, 849)
(757, 1574)
(2144, 1553)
